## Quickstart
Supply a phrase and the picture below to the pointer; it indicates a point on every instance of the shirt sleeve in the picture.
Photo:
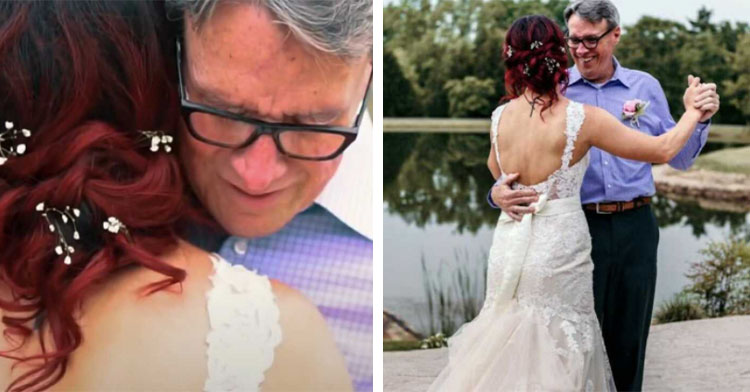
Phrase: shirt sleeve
(489, 199)
(489, 196)
(686, 157)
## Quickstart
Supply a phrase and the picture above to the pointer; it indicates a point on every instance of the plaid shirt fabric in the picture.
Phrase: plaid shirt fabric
(331, 264)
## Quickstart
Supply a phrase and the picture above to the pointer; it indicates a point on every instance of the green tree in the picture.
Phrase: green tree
(470, 97)
(702, 22)
(399, 99)
(722, 279)
(701, 56)
(443, 180)
(436, 41)
(650, 45)
(441, 40)
(738, 89)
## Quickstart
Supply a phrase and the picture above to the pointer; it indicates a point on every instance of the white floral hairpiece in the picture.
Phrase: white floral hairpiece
(159, 138)
(113, 225)
(551, 64)
(509, 52)
(11, 134)
(526, 70)
(536, 45)
(67, 216)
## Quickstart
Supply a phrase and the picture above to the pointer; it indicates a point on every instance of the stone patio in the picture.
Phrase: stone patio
(700, 355)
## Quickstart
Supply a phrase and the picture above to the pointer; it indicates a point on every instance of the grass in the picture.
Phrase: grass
(679, 308)
(452, 302)
(728, 160)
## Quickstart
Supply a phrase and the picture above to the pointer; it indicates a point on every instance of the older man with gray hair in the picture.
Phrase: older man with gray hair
(272, 94)
(616, 192)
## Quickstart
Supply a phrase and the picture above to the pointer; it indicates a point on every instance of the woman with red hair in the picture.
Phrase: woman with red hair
(537, 329)
(97, 290)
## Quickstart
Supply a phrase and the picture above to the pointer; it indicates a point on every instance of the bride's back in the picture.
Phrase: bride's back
(133, 340)
(533, 146)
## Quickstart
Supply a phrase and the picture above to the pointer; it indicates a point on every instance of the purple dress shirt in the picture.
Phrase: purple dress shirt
(611, 178)
(331, 264)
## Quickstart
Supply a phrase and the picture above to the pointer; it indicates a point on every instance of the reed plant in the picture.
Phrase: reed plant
(454, 291)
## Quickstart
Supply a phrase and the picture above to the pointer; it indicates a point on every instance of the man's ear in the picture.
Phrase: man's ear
(617, 32)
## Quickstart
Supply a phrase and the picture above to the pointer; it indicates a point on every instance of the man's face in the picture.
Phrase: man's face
(241, 61)
(594, 64)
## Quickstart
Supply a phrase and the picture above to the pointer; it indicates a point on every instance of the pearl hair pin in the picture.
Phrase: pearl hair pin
(159, 139)
(11, 135)
(54, 217)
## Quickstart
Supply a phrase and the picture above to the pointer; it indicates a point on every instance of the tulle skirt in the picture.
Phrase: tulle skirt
(520, 349)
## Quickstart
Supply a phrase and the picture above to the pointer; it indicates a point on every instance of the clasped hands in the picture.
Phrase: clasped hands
(706, 100)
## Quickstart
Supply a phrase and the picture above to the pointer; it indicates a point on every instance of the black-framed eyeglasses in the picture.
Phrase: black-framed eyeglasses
(590, 42)
(230, 130)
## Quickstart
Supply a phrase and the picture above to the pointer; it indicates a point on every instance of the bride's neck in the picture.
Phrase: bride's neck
(531, 95)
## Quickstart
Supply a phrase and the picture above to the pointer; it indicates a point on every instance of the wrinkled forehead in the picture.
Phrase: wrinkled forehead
(247, 35)
(242, 56)
(216, 14)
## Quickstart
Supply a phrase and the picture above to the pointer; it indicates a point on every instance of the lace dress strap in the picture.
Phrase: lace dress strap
(244, 328)
(574, 121)
(495, 121)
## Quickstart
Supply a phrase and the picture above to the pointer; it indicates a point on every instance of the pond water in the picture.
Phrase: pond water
(436, 222)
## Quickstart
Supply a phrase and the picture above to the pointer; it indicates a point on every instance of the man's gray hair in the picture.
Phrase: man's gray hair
(342, 28)
(594, 11)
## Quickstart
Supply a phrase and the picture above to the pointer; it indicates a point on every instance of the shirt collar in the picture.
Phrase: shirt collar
(620, 75)
(348, 195)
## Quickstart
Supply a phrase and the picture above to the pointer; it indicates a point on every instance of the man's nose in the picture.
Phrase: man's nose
(259, 164)
(581, 50)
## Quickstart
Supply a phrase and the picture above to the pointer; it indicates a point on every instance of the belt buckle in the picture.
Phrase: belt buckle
(601, 212)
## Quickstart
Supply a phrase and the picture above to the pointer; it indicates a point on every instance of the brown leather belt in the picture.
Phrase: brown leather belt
(617, 206)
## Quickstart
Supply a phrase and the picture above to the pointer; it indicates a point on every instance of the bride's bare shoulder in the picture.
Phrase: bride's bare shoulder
(595, 113)
(307, 358)
(595, 119)
(160, 337)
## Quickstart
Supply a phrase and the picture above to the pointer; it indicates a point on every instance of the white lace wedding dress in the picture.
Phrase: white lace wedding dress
(537, 329)
(245, 329)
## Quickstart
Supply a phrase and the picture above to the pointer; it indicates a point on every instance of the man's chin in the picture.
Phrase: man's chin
(587, 74)
(255, 227)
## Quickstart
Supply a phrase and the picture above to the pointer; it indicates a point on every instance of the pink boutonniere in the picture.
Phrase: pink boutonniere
(634, 109)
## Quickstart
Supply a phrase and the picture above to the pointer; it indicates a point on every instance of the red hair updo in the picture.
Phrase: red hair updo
(535, 58)
(84, 77)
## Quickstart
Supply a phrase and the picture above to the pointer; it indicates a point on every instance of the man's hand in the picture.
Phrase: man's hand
(707, 100)
(513, 202)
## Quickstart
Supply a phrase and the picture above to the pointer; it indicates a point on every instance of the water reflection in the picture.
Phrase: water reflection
(669, 212)
(438, 178)
(443, 178)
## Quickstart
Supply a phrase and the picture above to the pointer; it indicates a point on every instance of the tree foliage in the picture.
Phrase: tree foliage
(440, 44)
(721, 281)
(401, 99)
(738, 90)
(470, 97)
